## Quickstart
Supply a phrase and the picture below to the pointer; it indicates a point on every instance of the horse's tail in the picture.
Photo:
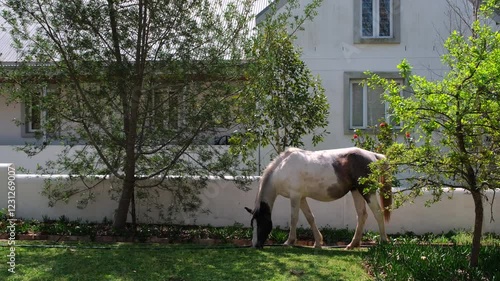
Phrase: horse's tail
(386, 198)
(385, 192)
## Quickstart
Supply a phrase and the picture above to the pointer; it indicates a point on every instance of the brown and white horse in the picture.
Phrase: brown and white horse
(321, 175)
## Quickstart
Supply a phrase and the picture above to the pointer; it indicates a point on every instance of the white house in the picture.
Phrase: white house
(346, 38)
(349, 37)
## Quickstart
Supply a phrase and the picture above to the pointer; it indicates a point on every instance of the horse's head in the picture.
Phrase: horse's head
(261, 224)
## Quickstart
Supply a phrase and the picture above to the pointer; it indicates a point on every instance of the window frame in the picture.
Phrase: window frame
(395, 24)
(170, 97)
(28, 130)
(349, 79)
(41, 114)
(376, 20)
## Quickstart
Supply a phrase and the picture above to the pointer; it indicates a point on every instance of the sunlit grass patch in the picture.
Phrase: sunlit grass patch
(181, 262)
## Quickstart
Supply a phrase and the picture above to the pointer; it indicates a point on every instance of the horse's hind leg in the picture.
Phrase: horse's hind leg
(318, 238)
(359, 204)
(378, 214)
(294, 218)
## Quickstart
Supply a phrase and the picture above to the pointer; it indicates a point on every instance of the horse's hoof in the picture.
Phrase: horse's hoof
(351, 246)
(318, 245)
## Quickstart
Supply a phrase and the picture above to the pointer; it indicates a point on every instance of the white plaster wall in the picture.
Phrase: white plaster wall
(9, 133)
(226, 203)
(9, 154)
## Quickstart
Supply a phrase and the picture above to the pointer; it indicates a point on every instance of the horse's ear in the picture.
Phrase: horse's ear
(249, 210)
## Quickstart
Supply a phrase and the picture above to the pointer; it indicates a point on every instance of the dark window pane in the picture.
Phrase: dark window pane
(357, 105)
(385, 18)
(166, 109)
(34, 113)
(391, 119)
(367, 18)
(36, 123)
(376, 107)
(173, 110)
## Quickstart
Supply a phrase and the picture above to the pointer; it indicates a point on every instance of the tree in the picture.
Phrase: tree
(456, 121)
(133, 90)
(139, 83)
(283, 100)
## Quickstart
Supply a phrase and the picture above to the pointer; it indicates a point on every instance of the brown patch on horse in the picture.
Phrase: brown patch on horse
(337, 191)
(352, 166)
(343, 184)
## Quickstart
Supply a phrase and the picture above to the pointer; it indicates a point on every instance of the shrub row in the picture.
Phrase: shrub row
(175, 233)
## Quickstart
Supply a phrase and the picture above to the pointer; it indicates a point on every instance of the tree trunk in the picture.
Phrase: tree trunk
(133, 214)
(130, 126)
(129, 107)
(478, 228)
(121, 213)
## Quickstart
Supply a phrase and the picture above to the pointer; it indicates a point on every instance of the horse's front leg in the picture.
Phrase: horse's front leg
(294, 218)
(318, 238)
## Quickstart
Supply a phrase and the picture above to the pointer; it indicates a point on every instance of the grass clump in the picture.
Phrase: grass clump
(412, 261)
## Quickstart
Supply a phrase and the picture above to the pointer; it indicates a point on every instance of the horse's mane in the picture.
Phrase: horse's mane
(266, 176)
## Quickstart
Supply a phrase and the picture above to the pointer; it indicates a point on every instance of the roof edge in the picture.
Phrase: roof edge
(261, 16)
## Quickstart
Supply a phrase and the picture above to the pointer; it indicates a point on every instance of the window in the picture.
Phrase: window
(363, 105)
(166, 108)
(376, 18)
(36, 116)
(376, 21)
(367, 108)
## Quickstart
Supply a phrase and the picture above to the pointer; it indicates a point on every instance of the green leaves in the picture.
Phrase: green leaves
(281, 101)
(455, 121)
(143, 88)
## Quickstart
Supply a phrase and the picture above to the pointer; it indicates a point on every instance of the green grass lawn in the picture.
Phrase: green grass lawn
(182, 262)
(410, 261)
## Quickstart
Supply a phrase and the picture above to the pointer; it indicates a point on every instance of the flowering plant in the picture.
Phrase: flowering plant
(376, 138)
(379, 138)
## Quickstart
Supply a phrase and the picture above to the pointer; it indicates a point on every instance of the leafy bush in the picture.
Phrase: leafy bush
(279, 235)
(332, 235)
(3, 214)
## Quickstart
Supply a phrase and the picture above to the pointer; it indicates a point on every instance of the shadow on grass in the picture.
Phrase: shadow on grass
(188, 263)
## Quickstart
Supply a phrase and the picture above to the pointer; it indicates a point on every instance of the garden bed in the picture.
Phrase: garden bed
(63, 230)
